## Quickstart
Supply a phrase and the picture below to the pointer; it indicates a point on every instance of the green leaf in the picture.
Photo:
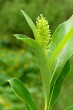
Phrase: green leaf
(30, 23)
(61, 46)
(42, 61)
(62, 49)
(57, 87)
(22, 92)
(69, 108)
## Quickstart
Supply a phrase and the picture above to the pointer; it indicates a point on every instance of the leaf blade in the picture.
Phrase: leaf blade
(60, 47)
(58, 84)
(43, 68)
(58, 36)
(30, 23)
(64, 55)
(22, 92)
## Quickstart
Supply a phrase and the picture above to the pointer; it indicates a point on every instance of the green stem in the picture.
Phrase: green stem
(46, 106)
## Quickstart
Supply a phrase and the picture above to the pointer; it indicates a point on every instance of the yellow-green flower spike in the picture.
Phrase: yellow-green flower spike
(43, 36)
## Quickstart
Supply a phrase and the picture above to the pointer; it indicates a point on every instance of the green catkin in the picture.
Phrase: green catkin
(43, 32)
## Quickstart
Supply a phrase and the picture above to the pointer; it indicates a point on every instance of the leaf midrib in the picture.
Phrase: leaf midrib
(60, 47)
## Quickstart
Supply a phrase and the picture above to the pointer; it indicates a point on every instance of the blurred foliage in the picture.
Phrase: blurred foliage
(18, 62)
(21, 64)
(8, 101)
(12, 21)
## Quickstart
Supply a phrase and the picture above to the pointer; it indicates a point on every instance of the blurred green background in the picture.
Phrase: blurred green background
(18, 60)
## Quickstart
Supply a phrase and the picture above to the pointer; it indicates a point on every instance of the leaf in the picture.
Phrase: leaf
(30, 23)
(22, 92)
(57, 53)
(69, 108)
(58, 84)
(62, 49)
(42, 61)
(61, 46)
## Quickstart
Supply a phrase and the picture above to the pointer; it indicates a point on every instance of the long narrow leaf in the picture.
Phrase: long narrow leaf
(30, 23)
(22, 92)
(42, 61)
(58, 84)
(61, 47)
(59, 60)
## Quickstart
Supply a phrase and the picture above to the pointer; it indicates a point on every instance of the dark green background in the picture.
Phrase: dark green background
(18, 60)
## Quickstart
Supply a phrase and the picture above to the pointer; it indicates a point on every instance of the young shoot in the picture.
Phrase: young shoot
(54, 66)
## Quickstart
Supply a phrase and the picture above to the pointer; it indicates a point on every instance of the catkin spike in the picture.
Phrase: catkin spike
(43, 31)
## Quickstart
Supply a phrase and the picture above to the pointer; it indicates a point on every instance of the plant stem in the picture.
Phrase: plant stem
(46, 105)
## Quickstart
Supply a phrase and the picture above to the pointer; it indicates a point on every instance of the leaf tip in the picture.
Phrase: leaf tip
(21, 10)
(10, 80)
(23, 13)
(72, 16)
(16, 35)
